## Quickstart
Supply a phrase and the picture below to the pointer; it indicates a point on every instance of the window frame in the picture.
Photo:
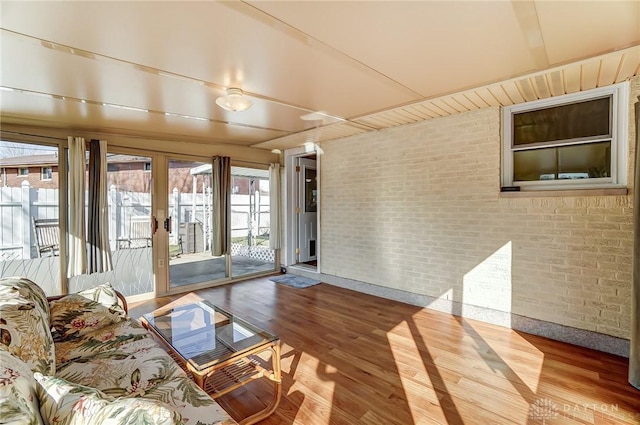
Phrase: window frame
(20, 174)
(619, 140)
(42, 174)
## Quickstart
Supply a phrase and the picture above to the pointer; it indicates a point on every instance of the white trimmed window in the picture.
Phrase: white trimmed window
(23, 172)
(575, 141)
(147, 167)
(46, 173)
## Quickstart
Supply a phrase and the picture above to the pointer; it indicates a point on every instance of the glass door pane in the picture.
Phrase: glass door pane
(190, 202)
(29, 214)
(308, 215)
(250, 222)
(129, 198)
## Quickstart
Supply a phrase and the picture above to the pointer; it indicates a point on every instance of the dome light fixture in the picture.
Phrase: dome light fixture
(234, 100)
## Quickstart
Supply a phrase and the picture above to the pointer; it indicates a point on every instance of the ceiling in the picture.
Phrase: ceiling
(315, 70)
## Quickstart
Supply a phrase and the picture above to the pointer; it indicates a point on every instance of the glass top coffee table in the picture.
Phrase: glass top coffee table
(218, 348)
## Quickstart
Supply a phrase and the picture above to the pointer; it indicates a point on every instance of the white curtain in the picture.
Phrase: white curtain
(275, 232)
(77, 170)
(99, 258)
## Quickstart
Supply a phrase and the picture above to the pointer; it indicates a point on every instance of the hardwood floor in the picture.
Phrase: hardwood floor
(351, 358)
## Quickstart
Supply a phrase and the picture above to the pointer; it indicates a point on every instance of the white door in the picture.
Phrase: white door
(307, 210)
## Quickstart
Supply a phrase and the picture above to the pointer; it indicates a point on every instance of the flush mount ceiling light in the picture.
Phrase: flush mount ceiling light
(234, 101)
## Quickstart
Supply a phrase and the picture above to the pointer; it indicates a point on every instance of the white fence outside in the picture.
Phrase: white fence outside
(18, 205)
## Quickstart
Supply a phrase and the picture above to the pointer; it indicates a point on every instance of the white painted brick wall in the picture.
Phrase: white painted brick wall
(418, 208)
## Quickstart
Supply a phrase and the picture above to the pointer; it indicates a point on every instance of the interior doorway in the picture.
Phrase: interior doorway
(302, 198)
(307, 209)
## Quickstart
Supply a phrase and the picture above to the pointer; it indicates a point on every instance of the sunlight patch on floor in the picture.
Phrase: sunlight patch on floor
(417, 385)
(315, 381)
(287, 359)
(522, 358)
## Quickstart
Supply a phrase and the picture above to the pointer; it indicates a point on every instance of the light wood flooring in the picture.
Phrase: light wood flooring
(351, 358)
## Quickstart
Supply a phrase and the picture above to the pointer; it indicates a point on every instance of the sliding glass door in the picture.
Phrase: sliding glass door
(190, 201)
(190, 225)
(130, 206)
(250, 222)
(160, 224)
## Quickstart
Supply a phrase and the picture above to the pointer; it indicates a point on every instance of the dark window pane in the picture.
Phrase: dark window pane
(566, 122)
(586, 161)
(311, 192)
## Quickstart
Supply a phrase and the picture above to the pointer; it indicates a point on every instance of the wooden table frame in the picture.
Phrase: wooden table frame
(233, 373)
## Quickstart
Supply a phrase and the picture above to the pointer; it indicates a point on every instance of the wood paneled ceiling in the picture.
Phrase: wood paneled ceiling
(315, 70)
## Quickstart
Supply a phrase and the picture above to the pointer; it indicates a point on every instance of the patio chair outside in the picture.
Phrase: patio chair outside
(139, 235)
(47, 235)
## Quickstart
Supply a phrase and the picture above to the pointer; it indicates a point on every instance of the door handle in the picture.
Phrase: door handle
(154, 224)
(167, 224)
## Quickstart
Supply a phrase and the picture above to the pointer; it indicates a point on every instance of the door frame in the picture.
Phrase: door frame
(161, 255)
(291, 198)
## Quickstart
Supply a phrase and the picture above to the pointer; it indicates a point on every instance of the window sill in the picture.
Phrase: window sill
(612, 191)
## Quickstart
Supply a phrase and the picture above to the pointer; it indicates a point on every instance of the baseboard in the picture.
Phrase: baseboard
(580, 337)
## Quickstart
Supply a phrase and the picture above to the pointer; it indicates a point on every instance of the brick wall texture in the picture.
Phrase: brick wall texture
(34, 178)
(418, 208)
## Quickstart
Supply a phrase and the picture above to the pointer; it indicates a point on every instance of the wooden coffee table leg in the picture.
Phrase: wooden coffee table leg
(197, 378)
(276, 378)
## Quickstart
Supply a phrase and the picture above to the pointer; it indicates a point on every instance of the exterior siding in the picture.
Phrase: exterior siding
(129, 176)
(34, 178)
(418, 208)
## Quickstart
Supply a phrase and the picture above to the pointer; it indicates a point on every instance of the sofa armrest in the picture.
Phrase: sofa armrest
(121, 300)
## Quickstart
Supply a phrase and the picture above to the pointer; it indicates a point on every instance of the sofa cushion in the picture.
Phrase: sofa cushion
(105, 295)
(75, 315)
(64, 403)
(104, 340)
(18, 289)
(139, 369)
(136, 366)
(18, 401)
(133, 369)
(24, 332)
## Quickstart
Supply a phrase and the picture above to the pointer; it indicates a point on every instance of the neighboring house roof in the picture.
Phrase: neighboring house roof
(52, 159)
(29, 160)
(117, 158)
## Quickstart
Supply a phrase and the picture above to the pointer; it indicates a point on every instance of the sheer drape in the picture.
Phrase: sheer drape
(99, 255)
(275, 232)
(634, 355)
(77, 169)
(221, 205)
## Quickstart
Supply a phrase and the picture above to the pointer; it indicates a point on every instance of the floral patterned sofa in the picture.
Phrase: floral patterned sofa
(79, 359)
